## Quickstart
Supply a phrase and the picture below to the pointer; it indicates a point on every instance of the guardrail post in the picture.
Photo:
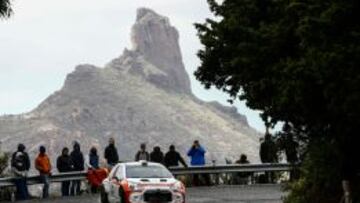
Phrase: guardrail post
(12, 198)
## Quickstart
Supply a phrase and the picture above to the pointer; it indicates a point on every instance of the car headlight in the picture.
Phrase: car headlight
(135, 197)
(134, 187)
(178, 187)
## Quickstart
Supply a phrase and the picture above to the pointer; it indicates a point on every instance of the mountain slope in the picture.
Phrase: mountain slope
(142, 96)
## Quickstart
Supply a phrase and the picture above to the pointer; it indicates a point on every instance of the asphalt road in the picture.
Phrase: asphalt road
(219, 194)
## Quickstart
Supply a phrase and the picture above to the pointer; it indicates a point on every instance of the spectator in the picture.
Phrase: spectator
(43, 165)
(243, 159)
(291, 147)
(77, 158)
(244, 176)
(92, 161)
(157, 155)
(111, 154)
(197, 154)
(172, 158)
(268, 154)
(64, 164)
(20, 165)
(142, 154)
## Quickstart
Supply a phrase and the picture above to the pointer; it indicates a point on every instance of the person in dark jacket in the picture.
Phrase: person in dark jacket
(172, 158)
(142, 154)
(157, 155)
(197, 154)
(288, 144)
(64, 164)
(93, 159)
(268, 154)
(20, 165)
(243, 159)
(92, 163)
(77, 158)
(268, 151)
(243, 177)
(111, 153)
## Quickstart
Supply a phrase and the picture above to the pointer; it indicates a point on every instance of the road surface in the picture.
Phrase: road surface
(218, 194)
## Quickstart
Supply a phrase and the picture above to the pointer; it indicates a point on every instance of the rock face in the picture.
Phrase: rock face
(157, 41)
(143, 96)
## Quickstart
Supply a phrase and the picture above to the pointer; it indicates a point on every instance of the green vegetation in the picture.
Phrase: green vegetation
(5, 193)
(298, 62)
(4, 159)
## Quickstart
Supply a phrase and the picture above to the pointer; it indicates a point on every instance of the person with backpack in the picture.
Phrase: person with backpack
(142, 154)
(64, 164)
(20, 165)
(157, 156)
(77, 158)
(43, 165)
(172, 158)
(111, 154)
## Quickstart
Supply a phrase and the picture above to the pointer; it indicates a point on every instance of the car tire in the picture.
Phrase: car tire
(122, 195)
(103, 195)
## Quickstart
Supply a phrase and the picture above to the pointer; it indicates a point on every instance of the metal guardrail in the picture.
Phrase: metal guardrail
(32, 180)
(232, 168)
(218, 169)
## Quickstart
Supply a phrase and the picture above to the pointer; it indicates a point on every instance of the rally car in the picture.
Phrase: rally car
(141, 182)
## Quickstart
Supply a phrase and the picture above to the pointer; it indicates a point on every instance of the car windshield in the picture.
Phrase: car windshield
(147, 172)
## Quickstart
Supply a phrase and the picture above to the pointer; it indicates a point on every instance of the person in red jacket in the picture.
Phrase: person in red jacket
(43, 165)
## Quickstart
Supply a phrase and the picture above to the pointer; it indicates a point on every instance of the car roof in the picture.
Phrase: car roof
(139, 163)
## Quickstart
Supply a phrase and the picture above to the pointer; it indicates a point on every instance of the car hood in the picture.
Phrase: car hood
(153, 181)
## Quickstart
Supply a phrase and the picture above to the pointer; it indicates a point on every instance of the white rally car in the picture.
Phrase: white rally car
(141, 182)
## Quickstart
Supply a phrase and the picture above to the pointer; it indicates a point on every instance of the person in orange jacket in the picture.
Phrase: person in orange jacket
(43, 165)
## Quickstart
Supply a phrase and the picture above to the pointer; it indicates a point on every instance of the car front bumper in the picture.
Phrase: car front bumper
(141, 197)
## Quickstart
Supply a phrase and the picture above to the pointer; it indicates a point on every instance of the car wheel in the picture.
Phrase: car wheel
(122, 195)
(103, 195)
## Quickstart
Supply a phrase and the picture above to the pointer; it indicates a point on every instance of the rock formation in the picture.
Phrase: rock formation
(143, 96)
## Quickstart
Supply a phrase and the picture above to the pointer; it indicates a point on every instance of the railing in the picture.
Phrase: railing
(232, 168)
(32, 180)
(218, 169)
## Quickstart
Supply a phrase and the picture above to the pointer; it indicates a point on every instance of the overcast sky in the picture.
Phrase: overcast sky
(45, 39)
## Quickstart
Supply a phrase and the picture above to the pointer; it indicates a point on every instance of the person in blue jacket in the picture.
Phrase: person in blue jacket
(197, 154)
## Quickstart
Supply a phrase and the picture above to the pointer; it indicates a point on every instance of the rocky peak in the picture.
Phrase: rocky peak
(155, 39)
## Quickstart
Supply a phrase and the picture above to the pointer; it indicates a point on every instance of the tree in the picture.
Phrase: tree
(296, 61)
(5, 8)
